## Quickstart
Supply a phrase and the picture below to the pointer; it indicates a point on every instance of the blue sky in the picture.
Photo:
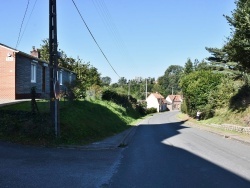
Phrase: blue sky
(141, 38)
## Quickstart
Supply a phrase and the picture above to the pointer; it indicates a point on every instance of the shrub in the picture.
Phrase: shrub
(151, 110)
(133, 108)
(184, 107)
(113, 96)
(197, 87)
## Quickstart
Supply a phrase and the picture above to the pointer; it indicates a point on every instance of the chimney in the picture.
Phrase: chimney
(35, 52)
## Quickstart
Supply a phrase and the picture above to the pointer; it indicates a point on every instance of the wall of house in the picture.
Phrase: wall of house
(15, 75)
(23, 78)
(47, 86)
(152, 102)
(176, 105)
(7, 74)
(66, 79)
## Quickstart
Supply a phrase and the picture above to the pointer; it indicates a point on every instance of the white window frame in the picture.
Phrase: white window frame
(33, 73)
(60, 77)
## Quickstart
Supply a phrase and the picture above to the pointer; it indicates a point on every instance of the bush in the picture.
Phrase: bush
(184, 107)
(113, 96)
(197, 88)
(121, 99)
(151, 110)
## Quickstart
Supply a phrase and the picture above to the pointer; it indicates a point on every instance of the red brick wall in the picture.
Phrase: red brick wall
(7, 73)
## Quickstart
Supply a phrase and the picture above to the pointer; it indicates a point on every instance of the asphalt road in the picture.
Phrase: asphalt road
(30, 167)
(164, 153)
(161, 153)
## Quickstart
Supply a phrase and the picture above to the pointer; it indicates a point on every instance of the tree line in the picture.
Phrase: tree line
(219, 81)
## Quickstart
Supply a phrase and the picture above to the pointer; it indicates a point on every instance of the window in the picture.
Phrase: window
(70, 77)
(33, 73)
(59, 77)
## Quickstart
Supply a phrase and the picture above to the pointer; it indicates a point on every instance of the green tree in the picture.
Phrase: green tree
(87, 75)
(196, 88)
(106, 81)
(170, 80)
(122, 81)
(44, 50)
(188, 68)
(238, 45)
(219, 62)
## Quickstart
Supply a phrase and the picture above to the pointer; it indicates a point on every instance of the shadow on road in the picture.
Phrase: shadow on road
(150, 162)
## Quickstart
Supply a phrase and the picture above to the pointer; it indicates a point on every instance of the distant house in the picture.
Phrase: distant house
(174, 102)
(156, 100)
(19, 72)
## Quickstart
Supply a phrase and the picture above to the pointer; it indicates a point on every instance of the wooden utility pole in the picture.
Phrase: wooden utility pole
(53, 65)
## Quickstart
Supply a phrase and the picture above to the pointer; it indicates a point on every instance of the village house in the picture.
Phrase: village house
(174, 102)
(19, 72)
(156, 100)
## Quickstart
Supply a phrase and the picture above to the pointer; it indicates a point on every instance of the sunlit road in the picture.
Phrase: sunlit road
(164, 153)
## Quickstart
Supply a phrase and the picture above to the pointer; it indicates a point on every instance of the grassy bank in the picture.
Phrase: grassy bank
(81, 122)
(227, 116)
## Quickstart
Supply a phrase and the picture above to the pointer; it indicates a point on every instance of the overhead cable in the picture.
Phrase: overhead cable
(28, 21)
(94, 38)
(18, 39)
(106, 17)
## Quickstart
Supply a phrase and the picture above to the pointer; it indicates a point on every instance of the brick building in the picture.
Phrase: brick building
(19, 72)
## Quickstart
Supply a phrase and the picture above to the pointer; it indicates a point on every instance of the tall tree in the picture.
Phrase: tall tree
(170, 80)
(44, 50)
(106, 81)
(238, 45)
(189, 67)
(219, 61)
(122, 81)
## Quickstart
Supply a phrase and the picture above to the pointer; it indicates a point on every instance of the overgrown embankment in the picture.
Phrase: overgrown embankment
(81, 122)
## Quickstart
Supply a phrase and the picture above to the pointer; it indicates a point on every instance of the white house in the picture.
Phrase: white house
(156, 100)
(174, 102)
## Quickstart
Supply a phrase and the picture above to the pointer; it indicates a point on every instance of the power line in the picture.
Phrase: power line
(22, 24)
(107, 19)
(94, 38)
(28, 21)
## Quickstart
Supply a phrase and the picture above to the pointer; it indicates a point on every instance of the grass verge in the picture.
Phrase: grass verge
(81, 122)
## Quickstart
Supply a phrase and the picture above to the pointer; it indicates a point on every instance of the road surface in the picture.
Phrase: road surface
(164, 153)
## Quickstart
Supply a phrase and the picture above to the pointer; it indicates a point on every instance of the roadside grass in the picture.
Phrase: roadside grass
(226, 116)
(43, 106)
(81, 122)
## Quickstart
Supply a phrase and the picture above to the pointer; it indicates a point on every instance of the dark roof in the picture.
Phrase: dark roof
(31, 57)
